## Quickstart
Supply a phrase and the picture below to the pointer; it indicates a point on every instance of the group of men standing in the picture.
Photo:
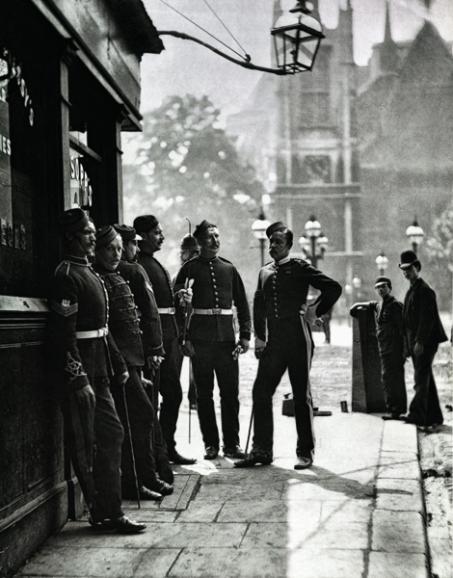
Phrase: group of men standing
(119, 324)
(410, 329)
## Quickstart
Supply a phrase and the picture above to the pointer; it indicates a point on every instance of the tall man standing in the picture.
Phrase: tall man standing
(423, 333)
(148, 227)
(283, 342)
(217, 285)
(81, 349)
(388, 314)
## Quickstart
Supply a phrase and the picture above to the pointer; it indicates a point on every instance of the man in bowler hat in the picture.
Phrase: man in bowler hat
(388, 314)
(423, 332)
(283, 342)
(82, 350)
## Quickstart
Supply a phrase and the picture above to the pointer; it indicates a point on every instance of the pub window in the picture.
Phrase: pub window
(18, 176)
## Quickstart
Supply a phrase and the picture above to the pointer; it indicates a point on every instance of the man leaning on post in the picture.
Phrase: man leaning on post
(81, 349)
(283, 342)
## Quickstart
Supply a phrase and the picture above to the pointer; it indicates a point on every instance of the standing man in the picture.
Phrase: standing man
(388, 315)
(148, 227)
(81, 350)
(283, 342)
(423, 332)
(133, 404)
(217, 285)
(151, 335)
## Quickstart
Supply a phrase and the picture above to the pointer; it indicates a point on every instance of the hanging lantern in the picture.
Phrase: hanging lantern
(297, 37)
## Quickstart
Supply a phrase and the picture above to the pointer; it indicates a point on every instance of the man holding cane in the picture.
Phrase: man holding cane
(283, 342)
(217, 285)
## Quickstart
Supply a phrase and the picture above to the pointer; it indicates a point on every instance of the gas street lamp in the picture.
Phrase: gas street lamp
(297, 36)
(382, 263)
(415, 234)
(259, 232)
(313, 243)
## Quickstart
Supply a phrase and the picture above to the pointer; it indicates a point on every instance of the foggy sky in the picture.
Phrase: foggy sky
(187, 68)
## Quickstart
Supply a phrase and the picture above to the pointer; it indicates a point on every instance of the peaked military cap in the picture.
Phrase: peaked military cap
(277, 226)
(409, 258)
(105, 235)
(382, 281)
(202, 229)
(74, 220)
(145, 223)
(127, 233)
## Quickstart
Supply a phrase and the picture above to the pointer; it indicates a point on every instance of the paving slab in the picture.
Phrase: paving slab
(89, 562)
(398, 532)
(399, 436)
(269, 563)
(270, 511)
(399, 494)
(388, 565)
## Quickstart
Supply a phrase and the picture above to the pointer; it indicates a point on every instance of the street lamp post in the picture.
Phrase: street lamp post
(382, 263)
(415, 234)
(259, 232)
(313, 243)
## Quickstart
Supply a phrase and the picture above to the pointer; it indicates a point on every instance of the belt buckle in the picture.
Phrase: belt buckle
(217, 310)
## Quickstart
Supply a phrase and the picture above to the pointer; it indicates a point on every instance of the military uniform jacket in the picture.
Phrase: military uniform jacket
(282, 293)
(145, 300)
(217, 285)
(78, 302)
(389, 324)
(163, 291)
(124, 323)
(421, 319)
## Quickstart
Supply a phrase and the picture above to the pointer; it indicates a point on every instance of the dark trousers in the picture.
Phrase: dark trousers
(95, 436)
(209, 359)
(392, 373)
(290, 347)
(425, 409)
(171, 392)
(141, 421)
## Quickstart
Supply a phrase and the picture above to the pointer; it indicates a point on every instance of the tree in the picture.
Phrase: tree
(439, 247)
(185, 165)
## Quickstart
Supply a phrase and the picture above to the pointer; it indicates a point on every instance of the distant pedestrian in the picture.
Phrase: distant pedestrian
(217, 287)
(423, 332)
(149, 228)
(283, 342)
(388, 314)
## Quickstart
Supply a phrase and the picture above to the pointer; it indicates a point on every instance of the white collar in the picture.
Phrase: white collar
(283, 261)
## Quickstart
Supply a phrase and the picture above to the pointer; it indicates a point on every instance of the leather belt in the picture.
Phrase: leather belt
(213, 311)
(92, 333)
(166, 310)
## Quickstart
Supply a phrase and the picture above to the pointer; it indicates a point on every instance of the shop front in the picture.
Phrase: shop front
(69, 84)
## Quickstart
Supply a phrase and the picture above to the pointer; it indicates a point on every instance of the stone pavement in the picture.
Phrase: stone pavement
(358, 512)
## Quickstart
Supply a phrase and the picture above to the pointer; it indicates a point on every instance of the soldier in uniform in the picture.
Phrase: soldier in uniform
(389, 332)
(81, 350)
(216, 288)
(151, 333)
(148, 227)
(423, 332)
(283, 342)
(134, 407)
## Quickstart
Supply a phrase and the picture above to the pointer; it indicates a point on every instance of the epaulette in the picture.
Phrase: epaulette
(63, 268)
(300, 261)
(225, 260)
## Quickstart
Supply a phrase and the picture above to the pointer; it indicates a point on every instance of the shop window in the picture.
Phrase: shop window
(18, 158)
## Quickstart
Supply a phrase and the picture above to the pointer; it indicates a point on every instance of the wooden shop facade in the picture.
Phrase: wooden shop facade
(69, 84)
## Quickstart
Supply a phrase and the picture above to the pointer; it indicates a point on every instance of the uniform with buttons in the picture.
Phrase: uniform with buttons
(82, 351)
(124, 325)
(278, 314)
(217, 287)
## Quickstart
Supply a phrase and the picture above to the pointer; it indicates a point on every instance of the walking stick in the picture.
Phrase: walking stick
(131, 445)
(187, 315)
(249, 432)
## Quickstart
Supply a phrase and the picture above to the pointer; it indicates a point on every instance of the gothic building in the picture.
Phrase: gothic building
(364, 148)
